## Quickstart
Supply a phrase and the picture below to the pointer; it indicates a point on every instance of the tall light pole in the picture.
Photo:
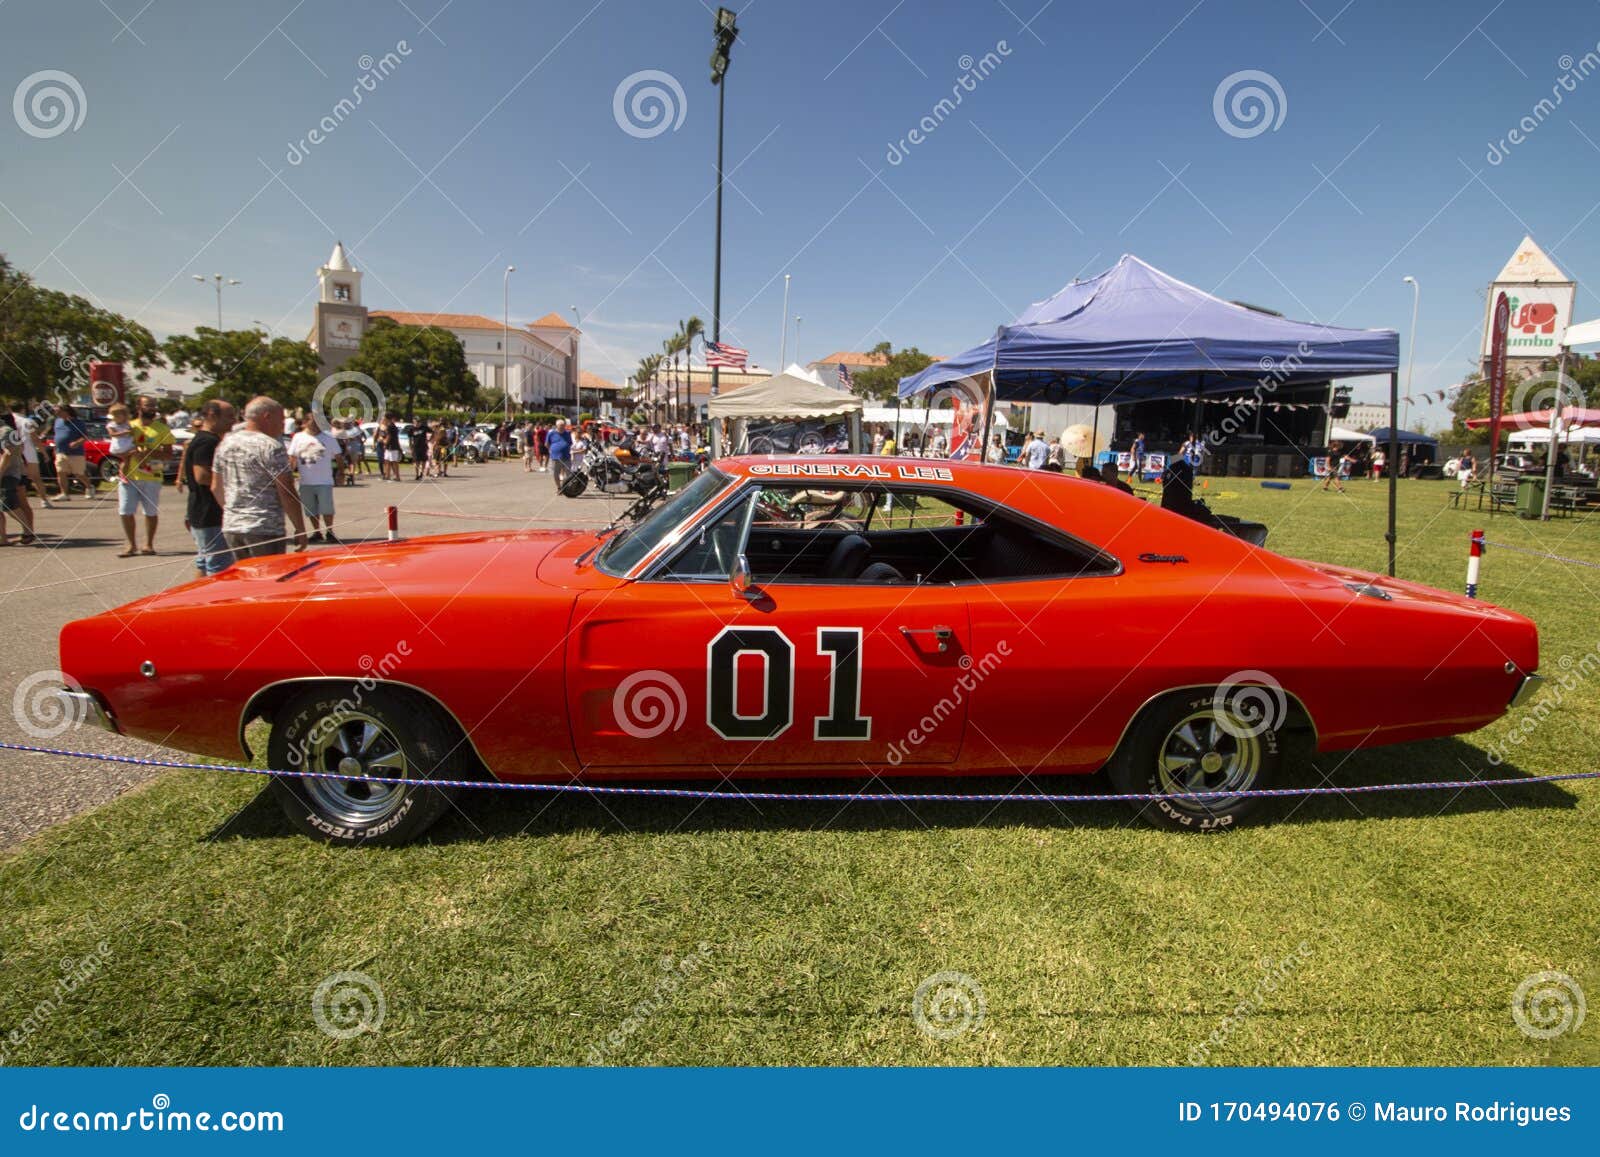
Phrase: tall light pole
(219, 281)
(505, 338)
(726, 33)
(1411, 357)
(783, 342)
(577, 382)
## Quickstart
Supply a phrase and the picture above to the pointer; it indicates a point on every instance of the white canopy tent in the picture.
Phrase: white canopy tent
(1540, 435)
(790, 396)
(1584, 333)
(1340, 434)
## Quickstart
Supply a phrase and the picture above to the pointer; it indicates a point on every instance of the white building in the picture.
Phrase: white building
(1366, 416)
(539, 363)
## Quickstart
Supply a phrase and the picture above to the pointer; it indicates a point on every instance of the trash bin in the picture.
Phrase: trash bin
(1530, 496)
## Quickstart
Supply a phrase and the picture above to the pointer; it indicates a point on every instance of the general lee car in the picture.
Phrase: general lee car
(807, 616)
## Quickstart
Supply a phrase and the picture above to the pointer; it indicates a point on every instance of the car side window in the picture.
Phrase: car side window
(711, 551)
(878, 535)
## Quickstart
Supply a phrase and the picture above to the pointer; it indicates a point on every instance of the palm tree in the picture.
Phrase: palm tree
(690, 330)
(674, 346)
(644, 378)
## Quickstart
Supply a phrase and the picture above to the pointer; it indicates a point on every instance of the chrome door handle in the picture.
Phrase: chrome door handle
(942, 634)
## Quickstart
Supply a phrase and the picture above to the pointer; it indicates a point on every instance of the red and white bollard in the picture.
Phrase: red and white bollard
(1472, 564)
(394, 524)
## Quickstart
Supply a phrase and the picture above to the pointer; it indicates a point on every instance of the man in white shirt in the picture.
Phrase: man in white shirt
(1037, 452)
(316, 454)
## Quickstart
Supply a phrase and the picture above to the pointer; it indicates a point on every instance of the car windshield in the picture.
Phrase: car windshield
(625, 550)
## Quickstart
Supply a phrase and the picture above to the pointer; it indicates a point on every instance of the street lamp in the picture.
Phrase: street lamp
(1411, 359)
(220, 282)
(505, 338)
(726, 33)
(783, 341)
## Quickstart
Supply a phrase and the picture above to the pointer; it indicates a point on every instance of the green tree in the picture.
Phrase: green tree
(242, 363)
(882, 382)
(423, 365)
(49, 338)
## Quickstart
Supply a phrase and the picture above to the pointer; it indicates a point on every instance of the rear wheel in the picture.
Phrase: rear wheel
(349, 731)
(1200, 742)
(108, 469)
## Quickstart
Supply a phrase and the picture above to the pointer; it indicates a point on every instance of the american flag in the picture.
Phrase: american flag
(729, 357)
(846, 382)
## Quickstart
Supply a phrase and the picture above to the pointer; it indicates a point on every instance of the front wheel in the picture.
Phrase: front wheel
(1221, 740)
(350, 731)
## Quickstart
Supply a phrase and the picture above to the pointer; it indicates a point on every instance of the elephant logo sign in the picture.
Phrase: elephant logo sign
(1536, 317)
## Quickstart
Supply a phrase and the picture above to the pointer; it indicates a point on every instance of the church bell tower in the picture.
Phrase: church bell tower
(341, 318)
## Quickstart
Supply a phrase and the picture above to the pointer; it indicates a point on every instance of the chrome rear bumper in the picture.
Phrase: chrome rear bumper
(84, 707)
(1527, 689)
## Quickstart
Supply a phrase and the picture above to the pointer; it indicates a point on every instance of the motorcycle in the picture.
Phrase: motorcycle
(616, 471)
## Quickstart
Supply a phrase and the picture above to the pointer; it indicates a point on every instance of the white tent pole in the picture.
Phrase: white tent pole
(988, 409)
(1555, 434)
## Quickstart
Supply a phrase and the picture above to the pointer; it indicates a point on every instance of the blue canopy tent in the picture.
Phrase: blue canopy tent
(1134, 334)
(1403, 437)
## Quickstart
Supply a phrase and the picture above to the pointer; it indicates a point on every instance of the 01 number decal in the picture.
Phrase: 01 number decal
(843, 721)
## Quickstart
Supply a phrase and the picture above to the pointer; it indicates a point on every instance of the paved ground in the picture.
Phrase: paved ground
(75, 572)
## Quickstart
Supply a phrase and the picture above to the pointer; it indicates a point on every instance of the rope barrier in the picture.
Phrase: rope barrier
(1542, 554)
(822, 796)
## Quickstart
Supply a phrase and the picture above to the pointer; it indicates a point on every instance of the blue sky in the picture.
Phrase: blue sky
(494, 142)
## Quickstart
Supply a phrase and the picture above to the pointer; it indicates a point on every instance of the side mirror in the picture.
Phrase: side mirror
(739, 580)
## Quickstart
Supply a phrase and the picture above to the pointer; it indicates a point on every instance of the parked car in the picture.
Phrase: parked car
(370, 429)
(1031, 606)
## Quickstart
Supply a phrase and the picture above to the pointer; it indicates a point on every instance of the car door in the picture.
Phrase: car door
(681, 673)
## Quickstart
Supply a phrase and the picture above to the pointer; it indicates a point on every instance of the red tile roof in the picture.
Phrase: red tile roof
(442, 320)
(588, 381)
(851, 359)
(554, 321)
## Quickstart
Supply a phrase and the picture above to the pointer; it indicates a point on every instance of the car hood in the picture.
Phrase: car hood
(485, 564)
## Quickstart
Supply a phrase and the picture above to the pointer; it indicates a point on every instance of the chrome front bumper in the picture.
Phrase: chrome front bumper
(83, 707)
(1527, 689)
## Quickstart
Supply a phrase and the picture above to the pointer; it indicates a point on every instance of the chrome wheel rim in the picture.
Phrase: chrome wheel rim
(356, 744)
(1208, 750)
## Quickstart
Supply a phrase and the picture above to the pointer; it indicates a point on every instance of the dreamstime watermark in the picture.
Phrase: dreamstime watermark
(673, 975)
(49, 103)
(1567, 675)
(373, 72)
(648, 103)
(74, 974)
(973, 673)
(1539, 392)
(345, 395)
(328, 723)
(1548, 1004)
(39, 708)
(1274, 373)
(948, 1004)
(973, 73)
(347, 1004)
(1248, 103)
(649, 703)
(1249, 703)
(1573, 73)
(1273, 974)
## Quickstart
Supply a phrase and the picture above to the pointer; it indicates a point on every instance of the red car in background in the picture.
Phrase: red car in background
(824, 615)
(97, 458)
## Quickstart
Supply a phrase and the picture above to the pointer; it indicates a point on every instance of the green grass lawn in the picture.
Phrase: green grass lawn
(1392, 934)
